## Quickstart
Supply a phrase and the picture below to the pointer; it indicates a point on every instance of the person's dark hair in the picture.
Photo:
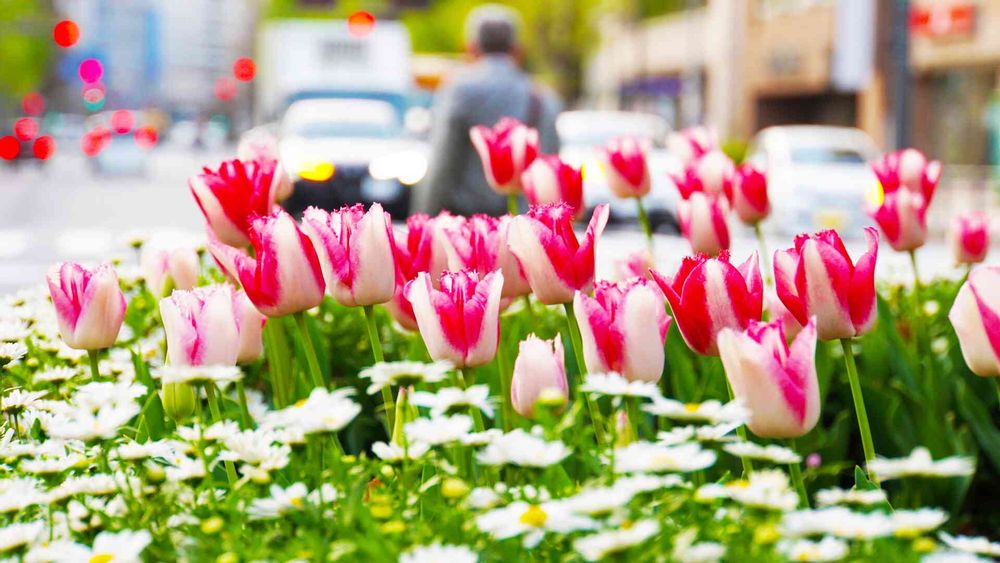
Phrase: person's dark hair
(492, 29)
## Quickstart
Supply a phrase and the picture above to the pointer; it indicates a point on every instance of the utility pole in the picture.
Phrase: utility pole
(901, 72)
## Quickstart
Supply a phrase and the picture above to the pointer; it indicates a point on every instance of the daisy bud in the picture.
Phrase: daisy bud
(90, 306)
(976, 318)
(178, 400)
(539, 369)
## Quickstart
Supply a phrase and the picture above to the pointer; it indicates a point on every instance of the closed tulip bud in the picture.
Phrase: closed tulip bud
(284, 276)
(540, 368)
(626, 167)
(356, 252)
(550, 180)
(623, 329)
(692, 143)
(816, 278)
(971, 237)
(506, 150)
(707, 295)
(166, 269)
(200, 326)
(715, 172)
(233, 195)
(703, 223)
(976, 318)
(422, 248)
(90, 306)
(479, 244)
(908, 169)
(250, 324)
(902, 216)
(460, 322)
(749, 195)
(776, 382)
(178, 400)
(555, 262)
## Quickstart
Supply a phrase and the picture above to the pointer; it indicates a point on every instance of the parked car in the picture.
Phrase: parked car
(819, 177)
(582, 137)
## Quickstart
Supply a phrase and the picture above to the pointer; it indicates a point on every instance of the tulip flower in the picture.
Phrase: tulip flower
(776, 382)
(232, 196)
(421, 248)
(540, 367)
(638, 263)
(623, 329)
(971, 237)
(258, 144)
(817, 278)
(692, 143)
(976, 318)
(555, 262)
(909, 169)
(626, 168)
(550, 180)
(749, 195)
(506, 151)
(250, 324)
(703, 223)
(166, 269)
(284, 276)
(200, 326)
(356, 253)
(479, 243)
(902, 217)
(707, 295)
(89, 304)
(460, 322)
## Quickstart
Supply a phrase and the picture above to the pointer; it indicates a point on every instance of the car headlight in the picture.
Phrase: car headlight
(302, 163)
(407, 167)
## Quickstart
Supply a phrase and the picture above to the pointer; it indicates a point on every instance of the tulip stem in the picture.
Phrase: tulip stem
(859, 407)
(644, 222)
(574, 338)
(307, 344)
(503, 366)
(741, 431)
(95, 373)
(244, 410)
(213, 405)
(387, 399)
(512, 206)
(796, 473)
(277, 361)
(765, 259)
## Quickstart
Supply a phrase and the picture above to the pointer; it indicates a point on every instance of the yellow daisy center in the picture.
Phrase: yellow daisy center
(101, 558)
(692, 407)
(534, 516)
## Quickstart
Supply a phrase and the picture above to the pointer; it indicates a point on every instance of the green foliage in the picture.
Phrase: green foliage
(26, 47)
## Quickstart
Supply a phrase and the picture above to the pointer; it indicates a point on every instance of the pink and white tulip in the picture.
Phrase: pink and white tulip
(460, 322)
(623, 328)
(421, 248)
(626, 168)
(749, 195)
(636, 264)
(90, 306)
(201, 327)
(506, 150)
(692, 143)
(258, 144)
(707, 295)
(816, 278)
(902, 217)
(703, 223)
(550, 180)
(540, 367)
(555, 262)
(165, 268)
(233, 195)
(356, 252)
(250, 324)
(976, 318)
(776, 382)
(970, 237)
(284, 276)
(479, 244)
(908, 169)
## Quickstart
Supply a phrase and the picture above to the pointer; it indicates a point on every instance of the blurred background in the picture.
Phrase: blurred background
(107, 106)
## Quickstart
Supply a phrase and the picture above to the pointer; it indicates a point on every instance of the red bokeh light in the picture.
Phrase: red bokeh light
(360, 23)
(66, 33)
(9, 147)
(95, 140)
(146, 137)
(122, 121)
(225, 89)
(91, 70)
(44, 147)
(26, 128)
(33, 103)
(244, 69)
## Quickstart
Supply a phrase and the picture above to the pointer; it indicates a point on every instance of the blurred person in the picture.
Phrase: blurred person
(491, 87)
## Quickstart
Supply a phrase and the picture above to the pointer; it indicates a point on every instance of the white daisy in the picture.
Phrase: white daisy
(95, 485)
(183, 468)
(125, 546)
(453, 399)
(826, 549)
(773, 454)
(402, 374)
(439, 430)
(18, 399)
(767, 489)
(920, 464)
(952, 557)
(600, 501)
(686, 550)
(13, 330)
(17, 535)
(612, 384)
(642, 483)
(56, 374)
(600, 545)
(322, 411)
(97, 395)
(481, 438)
(912, 523)
(837, 521)
(293, 498)
(703, 433)
(532, 521)
(646, 457)
(219, 375)
(85, 424)
(50, 464)
(832, 496)
(393, 452)
(11, 352)
(968, 544)
(18, 493)
(438, 553)
(518, 447)
(711, 412)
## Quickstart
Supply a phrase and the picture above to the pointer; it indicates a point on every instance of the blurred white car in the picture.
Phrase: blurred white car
(819, 177)
(582, 137)
(345, 150)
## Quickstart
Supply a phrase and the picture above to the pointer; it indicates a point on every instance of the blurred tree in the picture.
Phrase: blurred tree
(26, 48)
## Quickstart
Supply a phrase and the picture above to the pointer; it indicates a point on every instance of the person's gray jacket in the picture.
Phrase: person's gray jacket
(481, 94)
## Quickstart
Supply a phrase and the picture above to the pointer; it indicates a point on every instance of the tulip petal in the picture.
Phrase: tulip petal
(863, 298)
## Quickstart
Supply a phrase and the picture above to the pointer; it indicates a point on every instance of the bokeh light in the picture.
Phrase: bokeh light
(33, 103)
(95, 140)
(9, 147)
(146, 137)
(91, 70)
(360, 23)
(44, 147)
(93, 96)
(122, 121)
(225, 89)
(26, 128)
(244, 69)
(66, 33)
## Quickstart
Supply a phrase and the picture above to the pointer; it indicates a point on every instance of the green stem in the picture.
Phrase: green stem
(765, 259)
(859, 407)
(277, 361)
(574, 337)
(796, 473)
(95, 373)
(307, 344)
(512, 206)
(916, 277)
(245, 420)
(530, 310)
(465, 376)
(647, 228)
(387, 399)
(213, 405)
(741, 431)
(506, 408)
